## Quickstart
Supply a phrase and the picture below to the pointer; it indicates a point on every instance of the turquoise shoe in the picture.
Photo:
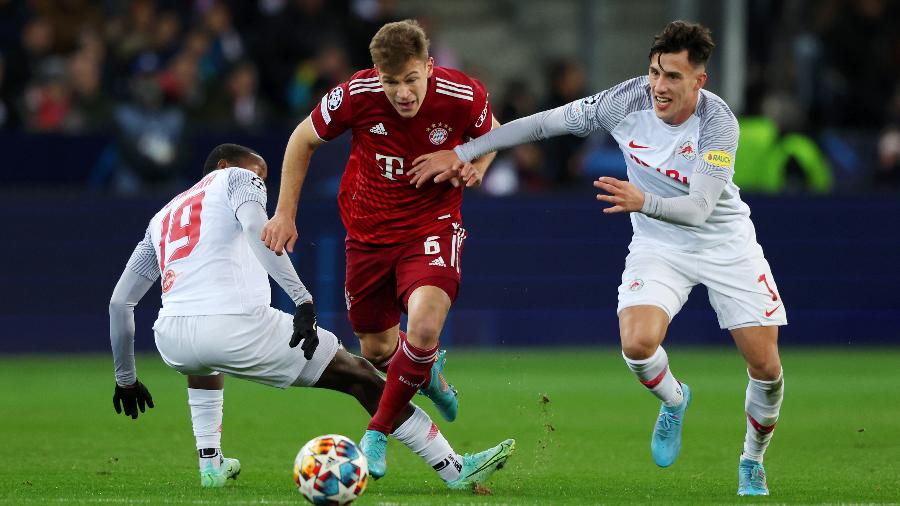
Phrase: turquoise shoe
(666, 441)
(374, 447)
(479, 467)
(215, 478)
(752, 478)
(442, 394)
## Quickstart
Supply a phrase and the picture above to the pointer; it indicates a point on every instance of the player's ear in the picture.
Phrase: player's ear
(701, 80)
(222, 164)
(429, 66)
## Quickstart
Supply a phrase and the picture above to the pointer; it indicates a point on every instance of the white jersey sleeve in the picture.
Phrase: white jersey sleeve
(718, 139)
(603, 111)
(143, 259)
(245, 186)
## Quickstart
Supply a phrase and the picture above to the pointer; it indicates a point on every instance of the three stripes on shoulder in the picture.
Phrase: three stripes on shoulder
(443, 86)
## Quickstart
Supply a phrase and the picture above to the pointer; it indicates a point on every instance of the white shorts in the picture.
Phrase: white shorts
(252, 346)
(737, 277)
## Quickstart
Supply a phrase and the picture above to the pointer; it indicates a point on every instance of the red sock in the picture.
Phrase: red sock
(383, 365)
(410, 369)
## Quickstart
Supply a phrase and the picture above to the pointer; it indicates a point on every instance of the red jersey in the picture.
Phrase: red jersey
(378, 204)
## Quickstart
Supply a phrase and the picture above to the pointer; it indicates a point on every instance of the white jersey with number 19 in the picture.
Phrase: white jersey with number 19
(196, 242)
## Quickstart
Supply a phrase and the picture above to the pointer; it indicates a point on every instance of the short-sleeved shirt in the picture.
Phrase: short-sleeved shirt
(378, 204)
(661, 158)
(196, 243)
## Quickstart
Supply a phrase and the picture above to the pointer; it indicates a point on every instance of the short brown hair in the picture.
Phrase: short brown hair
(396, 43)
(680, 35)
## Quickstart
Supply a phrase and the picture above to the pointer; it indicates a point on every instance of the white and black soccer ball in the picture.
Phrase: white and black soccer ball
(331, 469)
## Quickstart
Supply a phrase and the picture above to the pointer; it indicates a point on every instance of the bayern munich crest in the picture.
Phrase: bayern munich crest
(438, 133)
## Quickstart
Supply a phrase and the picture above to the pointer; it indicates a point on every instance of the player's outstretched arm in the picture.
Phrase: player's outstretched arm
(446, 165)
(130, 394)
(691, 210)
(252, 216)
(473, 173)
(280, 232)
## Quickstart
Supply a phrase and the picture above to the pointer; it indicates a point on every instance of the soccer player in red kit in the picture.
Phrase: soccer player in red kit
(403, 243)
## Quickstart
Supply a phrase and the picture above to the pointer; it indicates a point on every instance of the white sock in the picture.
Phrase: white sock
(655, 374)
(423, 437)
(763, 403)
(206, 418)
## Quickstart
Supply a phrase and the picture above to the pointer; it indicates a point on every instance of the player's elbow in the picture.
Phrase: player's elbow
(695, 220)
(117, 306)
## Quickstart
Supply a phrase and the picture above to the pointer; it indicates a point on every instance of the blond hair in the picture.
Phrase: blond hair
(396, 43)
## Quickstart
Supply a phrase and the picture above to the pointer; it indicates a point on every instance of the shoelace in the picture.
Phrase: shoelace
(668, 423)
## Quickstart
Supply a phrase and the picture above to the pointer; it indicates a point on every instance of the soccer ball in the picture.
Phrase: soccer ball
(330, 469)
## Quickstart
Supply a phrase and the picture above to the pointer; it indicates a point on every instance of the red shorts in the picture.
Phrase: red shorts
(380, 279)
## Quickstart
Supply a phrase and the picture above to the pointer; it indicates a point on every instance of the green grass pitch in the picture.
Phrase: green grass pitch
(581, 421)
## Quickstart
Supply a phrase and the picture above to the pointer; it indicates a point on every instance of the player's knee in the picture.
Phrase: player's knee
(424, 333)
(765, 371)
(637, 345)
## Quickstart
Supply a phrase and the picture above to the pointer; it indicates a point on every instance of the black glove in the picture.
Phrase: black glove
(131, 398)
(305, 329)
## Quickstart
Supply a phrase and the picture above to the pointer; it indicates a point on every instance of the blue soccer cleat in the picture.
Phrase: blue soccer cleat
(211, 477)
(752, 478)
(479, 467)
(666, 441)
(442, 394)
(374, 447)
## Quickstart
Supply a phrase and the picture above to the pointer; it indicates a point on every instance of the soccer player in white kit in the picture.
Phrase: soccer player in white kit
(690, 227)
(216, 319)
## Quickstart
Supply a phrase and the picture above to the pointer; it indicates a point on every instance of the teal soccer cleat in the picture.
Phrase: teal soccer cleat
(215, 478)
(442, 394)
(374, 447)
(752, 478)
(666, 441)
(479, 467)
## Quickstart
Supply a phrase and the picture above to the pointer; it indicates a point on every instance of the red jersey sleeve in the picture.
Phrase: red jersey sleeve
(482, 116)
(332, 117)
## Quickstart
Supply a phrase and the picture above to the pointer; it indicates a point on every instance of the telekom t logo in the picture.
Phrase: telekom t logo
(392, 165)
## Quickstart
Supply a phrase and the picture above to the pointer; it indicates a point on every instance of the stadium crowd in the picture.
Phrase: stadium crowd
(151, 72)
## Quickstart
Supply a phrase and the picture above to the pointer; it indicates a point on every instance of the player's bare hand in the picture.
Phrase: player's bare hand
(438, 167)
(131, 398)
(624, 196)
(470, 175)
(280, 233)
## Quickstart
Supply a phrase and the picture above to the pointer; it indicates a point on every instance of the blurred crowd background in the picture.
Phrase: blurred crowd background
(119, 91)
(109, 107)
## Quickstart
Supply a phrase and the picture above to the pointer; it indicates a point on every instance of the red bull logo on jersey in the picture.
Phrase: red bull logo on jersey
(438, 133)
(168, 280)
(687, 151)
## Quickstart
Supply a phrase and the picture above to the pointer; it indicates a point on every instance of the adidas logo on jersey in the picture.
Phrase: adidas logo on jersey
(379, 129)
(438, 262)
